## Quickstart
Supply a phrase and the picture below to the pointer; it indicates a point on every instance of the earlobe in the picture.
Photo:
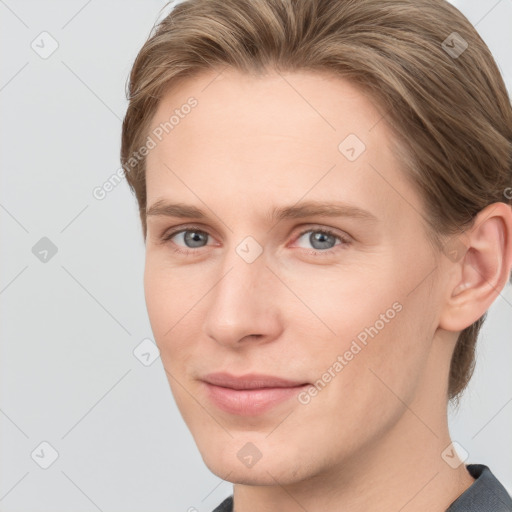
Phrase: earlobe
(482, 270)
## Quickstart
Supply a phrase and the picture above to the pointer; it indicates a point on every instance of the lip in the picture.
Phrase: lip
(251, 394)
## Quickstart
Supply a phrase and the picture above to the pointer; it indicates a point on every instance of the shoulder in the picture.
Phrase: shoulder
(225, 506)
(485, 494)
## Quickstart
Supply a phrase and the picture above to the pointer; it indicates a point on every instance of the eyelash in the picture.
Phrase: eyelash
(345, 241)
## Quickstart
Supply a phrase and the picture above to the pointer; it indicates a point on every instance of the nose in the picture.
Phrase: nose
(244, 303)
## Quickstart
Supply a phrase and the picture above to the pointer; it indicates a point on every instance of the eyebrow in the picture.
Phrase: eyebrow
(305, 209)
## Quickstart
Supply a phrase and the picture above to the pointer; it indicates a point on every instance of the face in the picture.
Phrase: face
(330, 295)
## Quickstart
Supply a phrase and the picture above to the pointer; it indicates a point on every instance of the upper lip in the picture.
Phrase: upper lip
(250, 381)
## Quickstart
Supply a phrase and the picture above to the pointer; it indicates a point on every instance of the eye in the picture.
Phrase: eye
(190, 237)
(323, 240)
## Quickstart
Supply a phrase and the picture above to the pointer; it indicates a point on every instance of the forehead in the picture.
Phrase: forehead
(283, 134)
(299, 105)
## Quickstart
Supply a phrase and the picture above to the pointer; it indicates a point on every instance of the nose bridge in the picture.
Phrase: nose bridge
(242, 302)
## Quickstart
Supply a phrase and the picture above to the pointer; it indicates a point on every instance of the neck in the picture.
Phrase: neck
(403, 470)
(414, 478)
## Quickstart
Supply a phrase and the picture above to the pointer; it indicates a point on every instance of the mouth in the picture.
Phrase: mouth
(249, 395)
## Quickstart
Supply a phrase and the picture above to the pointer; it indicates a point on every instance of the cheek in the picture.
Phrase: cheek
(364, 393)
(165, 303)
(374, 337)
(176, 309)
(168, 296)
(396, 357)
(167, 316)
(341, 305)
(158, 300)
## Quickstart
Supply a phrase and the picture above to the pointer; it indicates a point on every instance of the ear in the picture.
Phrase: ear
(480, 260)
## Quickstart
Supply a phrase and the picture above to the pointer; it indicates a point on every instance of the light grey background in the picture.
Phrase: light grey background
(69, 326)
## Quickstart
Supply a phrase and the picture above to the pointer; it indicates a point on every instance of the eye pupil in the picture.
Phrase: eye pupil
(194, 237)
(325, 240)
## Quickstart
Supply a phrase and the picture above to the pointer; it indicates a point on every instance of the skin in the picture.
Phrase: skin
(372, 438)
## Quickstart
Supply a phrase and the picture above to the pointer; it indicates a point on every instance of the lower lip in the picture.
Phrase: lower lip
(249, 402)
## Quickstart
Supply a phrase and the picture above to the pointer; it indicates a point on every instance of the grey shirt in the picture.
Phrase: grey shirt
(486, 494)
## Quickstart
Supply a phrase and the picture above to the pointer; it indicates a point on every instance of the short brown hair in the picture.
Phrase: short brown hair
(421, 61)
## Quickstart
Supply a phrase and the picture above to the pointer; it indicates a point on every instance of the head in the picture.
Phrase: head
(265, 116)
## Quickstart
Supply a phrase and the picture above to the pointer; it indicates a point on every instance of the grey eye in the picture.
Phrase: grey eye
(193, 238)
(319, 239)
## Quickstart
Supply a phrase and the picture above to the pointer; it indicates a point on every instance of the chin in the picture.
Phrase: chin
(230, 460)
(260, 474)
